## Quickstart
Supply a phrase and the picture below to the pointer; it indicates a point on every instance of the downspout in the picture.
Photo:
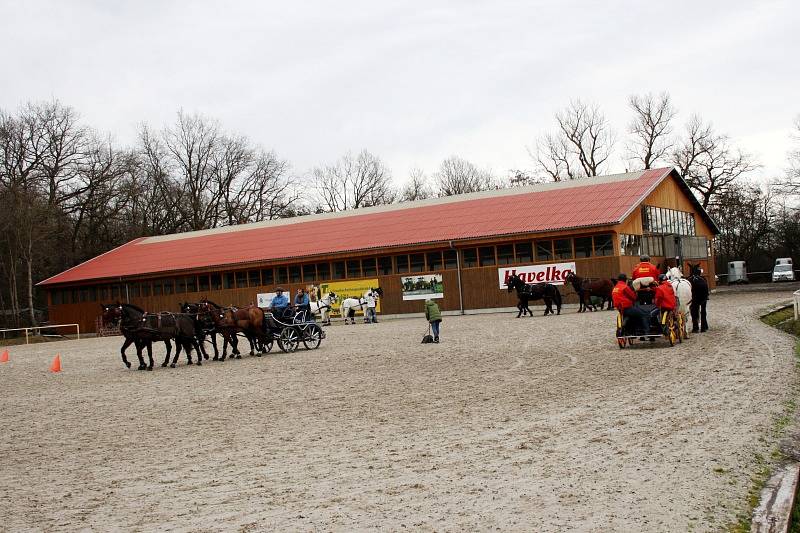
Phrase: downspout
(458, 269)
(127, 293)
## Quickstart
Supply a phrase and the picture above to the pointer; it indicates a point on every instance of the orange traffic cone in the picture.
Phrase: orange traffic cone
(4, 357)
(56, 366)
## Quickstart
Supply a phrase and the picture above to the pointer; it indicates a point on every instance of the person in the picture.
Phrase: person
(434, 317)
(697, 309)
(644, 273)
(372, 302)
(301, 303)
(624, 299)
(279, 303)
(665, 295)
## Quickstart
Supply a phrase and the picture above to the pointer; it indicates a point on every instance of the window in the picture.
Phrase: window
(323, 271)
(434, 260)
(281, 275)
(653, 245)
(104, 292)
(241, 280)
(180, 286)
(309, 273)
(354, 268)
(216, 281)
(254, 278)
(583, 247)
(402, 264)
(368, 267)
(203, 282)
(544, 250)
(469, 257)
(294, 274)
(603, 245)
(55, 297)
(630, 244)
(66, 296)
(385, 265)
(114, 294)
(524, 252)
(417, 262)
(505, 254)
(145, 288)
(563, 248)
(450, 259)
(486, 255)
(338, 270)
(135, 290)
(84, 294)
(169, 286)
(228, 281)
(92, 294)
(158, 289)
(267, 276)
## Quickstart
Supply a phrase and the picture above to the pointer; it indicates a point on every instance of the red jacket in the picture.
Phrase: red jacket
(665, 296)
(645, 270)
(623, 296)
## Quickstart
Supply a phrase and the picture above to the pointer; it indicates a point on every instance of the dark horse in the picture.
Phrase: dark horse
(147, 328)
(231, 320)
(699, 298)
(112, 316)
(206, 326)
(538, 291)
(586, 288)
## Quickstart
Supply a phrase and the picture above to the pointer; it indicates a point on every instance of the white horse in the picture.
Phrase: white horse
(351, 305)
(683, 291)
(323, 305)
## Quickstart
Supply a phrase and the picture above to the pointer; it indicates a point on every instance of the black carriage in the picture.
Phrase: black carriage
(659, 324)
(290, 330)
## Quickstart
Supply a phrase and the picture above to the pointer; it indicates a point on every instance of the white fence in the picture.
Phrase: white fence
(27, 330)
(796, 305)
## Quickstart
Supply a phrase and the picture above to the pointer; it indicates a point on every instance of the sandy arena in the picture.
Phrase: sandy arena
(538, 424)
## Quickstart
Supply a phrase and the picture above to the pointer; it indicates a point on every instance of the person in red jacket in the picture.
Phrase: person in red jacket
(644, 273)
(624, 299)
(665, 295)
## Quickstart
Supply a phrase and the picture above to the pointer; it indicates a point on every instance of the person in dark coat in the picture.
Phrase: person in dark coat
(434, 317)
(699, 299)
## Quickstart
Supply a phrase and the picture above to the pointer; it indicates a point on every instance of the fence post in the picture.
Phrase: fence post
(797, 305)
(79, 330)
(26, 335)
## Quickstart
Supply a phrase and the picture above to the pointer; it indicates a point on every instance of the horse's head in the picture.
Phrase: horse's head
(378, 291)
(333, 298)
(695, 269)
(674, 273)
(112, 313)
(513, 282)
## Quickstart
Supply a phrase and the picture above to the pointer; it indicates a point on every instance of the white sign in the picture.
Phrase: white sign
(552, 273)
(264, 299)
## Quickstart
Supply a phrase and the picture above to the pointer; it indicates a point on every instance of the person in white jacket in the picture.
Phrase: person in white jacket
(372, 302)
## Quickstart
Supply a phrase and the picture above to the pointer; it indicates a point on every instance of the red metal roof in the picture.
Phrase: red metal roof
(584, 203)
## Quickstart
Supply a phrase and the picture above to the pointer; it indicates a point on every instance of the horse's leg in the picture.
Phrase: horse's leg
(168, 345)
(150, 355)
(128, 342)
(548, 305)
(177, 354)
(520, 308)
(558, 301)
(213, 336)
(191, 342)
(139, 347)
(200, 344)
(235, 343)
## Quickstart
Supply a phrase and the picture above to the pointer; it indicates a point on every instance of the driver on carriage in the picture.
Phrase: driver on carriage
(625, 302)
(644, 273)
(279, 304)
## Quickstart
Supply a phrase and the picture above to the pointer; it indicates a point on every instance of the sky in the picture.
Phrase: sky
(412, 82)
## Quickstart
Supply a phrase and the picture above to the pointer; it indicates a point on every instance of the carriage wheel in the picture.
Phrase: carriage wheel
(621, 342)
(671, 330)
(267, 345)
(312, 337)
(289, 339)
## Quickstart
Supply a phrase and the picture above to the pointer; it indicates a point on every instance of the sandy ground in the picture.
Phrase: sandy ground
(531, 424)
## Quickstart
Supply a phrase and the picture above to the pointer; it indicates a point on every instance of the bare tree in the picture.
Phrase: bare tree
(791, 183)
(581, 145)
(708, 162)
(353, 182)
(650, 129)
(459, 176)
(417, 187)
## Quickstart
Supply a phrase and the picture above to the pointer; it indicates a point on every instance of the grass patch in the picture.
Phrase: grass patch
(775, 318)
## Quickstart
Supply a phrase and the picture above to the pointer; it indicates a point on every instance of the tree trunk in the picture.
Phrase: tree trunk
(31, 310)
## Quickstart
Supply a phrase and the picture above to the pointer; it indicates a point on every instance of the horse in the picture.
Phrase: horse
(229, 321)
(539, 291)
(586, 288)
(322, 307)
(699, 298)
(207, 327)
(112, 316)
(349, 305)
(683, 291)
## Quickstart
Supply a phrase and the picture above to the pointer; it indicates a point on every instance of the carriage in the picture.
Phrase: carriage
(667, 324)
(290, 331)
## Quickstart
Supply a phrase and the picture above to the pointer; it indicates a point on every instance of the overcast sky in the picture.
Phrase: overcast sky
(413, 82)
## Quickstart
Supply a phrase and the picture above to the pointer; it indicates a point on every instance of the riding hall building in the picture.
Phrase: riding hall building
(595, 226)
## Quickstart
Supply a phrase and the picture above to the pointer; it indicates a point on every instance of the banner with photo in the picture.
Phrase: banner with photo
(553, 273)
(422, 287)
(349, 289)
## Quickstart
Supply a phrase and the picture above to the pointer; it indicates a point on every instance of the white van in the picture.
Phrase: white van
(737, 272)
(783, 270)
